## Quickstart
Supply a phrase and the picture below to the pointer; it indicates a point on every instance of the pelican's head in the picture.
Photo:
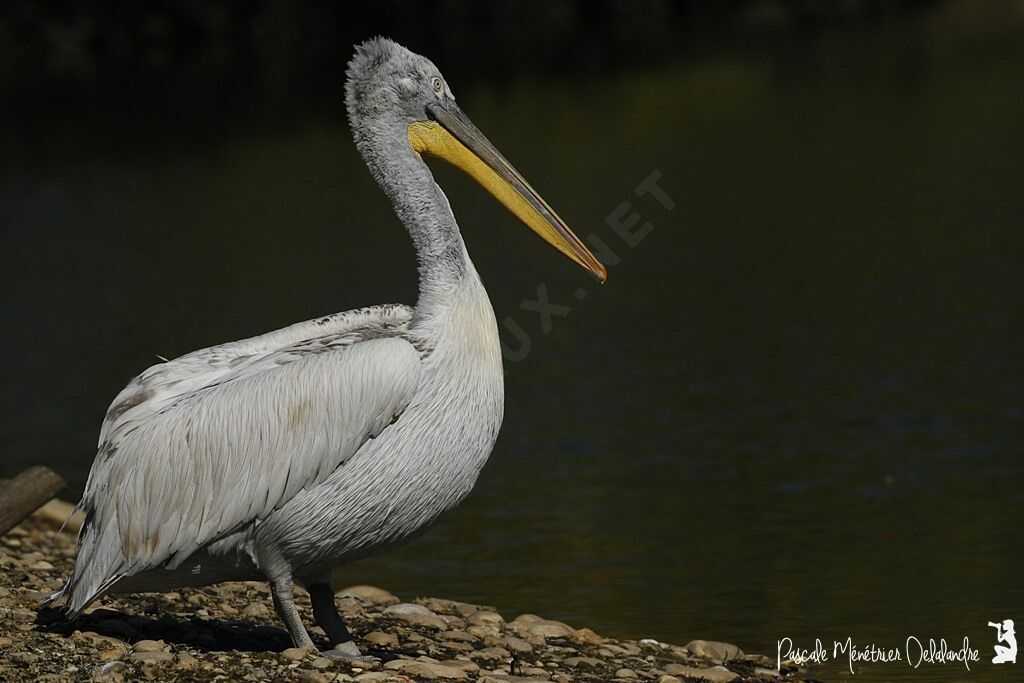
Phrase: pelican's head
(397, 95)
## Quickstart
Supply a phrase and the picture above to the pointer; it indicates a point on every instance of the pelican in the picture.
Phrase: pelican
(283, 456)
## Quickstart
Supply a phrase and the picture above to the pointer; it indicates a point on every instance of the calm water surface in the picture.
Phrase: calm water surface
(794, 410)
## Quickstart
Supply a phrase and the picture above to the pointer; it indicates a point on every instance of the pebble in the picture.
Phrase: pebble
(486, 619)
(714, 650)
(152, 657)
(186, 662)
(371, 594)
(381, 639)
(150, 646)
(111, 672)
(112, 653)
(716, 674)
(426, 670)
(321, 663)
(295, 654)
(416, 615)
(536, 626)
(256, 609)
(517, 645)
(491, 653)
(483, 630)
(626, 673)
(587, 637)
(583, 662)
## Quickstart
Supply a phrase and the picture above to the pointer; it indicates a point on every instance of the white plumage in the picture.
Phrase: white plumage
(284, 455)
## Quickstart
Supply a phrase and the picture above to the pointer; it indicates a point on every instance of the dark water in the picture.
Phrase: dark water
(794, 410)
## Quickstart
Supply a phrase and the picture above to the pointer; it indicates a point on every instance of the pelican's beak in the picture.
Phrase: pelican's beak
(449, 134)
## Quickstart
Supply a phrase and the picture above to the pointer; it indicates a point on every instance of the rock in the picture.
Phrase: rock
(373, 677)
(587, 637)
(426, 670)
(492, 653)
(152, 657)
(416, 615)
(91, 638)
(404, 609)
(321, 663)
(456, 646)
(458, 635)
(371, 594)
(714, 650)
(186, 662)
(669, 679)
(381, 639)
(460, 664)
(533, 625)
(41, 565)
(505, 678)
(463, 609)
(255, 609)
(309, 676)
(517, 645)
(486, 619)
(112, 653)
(483, 631)
(551, 629)
(583, 663)
(296, 654)
(111, 672)
(716, 674)
(626, 673)
(150, 646)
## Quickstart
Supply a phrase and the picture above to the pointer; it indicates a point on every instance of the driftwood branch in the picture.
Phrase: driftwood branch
(20, 496)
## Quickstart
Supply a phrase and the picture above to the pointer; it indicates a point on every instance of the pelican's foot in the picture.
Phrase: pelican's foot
(349, 651)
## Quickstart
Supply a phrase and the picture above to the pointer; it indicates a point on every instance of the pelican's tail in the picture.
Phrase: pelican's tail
(100, 564)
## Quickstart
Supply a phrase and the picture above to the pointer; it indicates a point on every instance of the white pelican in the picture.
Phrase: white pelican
(282, 456)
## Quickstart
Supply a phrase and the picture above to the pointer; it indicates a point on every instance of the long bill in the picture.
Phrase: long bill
(448, 134)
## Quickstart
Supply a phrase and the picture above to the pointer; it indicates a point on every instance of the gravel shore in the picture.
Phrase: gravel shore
(229, 632)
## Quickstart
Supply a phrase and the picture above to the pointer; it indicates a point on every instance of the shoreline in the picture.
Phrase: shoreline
(230, 632)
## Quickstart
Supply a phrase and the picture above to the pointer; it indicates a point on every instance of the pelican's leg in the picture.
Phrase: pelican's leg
(326, 614)
(284, 602)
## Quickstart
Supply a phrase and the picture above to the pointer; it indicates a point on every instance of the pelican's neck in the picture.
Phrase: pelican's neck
(424, 210)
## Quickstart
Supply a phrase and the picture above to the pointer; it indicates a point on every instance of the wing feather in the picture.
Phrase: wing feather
(215, 443)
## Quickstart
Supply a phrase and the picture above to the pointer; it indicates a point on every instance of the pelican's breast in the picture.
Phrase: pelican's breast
(422, 465)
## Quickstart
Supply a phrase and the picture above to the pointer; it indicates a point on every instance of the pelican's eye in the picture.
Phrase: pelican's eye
(437, 84)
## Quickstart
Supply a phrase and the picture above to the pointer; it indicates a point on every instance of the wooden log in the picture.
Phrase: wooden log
(19, 497)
